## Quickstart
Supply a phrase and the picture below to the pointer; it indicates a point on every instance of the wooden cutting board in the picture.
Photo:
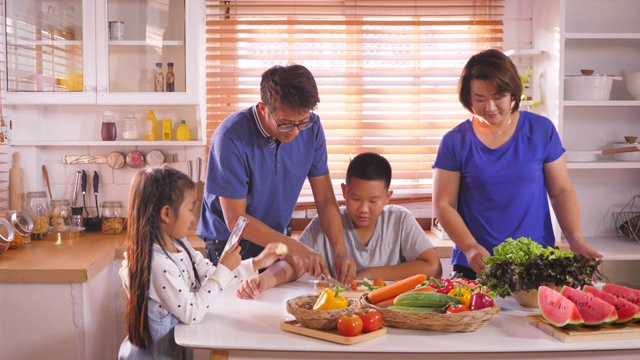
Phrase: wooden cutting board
(16, 184)
(294, 326)
(587, 333)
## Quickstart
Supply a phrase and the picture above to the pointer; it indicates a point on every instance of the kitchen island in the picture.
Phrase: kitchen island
(250, 329)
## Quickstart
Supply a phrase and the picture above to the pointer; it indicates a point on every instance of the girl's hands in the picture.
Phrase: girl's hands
(231, 257)
(268, 256)
(251, 288)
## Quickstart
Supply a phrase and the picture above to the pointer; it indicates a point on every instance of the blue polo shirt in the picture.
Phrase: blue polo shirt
(502, 191)
(245, 163)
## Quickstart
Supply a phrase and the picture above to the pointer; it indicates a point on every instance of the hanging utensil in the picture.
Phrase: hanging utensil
(84, 191)
(96, 184)
(46, 180)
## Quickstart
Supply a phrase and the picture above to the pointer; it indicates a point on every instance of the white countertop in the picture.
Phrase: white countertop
(235, 324)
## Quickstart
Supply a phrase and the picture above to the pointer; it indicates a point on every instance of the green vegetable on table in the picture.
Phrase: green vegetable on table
(523, 265)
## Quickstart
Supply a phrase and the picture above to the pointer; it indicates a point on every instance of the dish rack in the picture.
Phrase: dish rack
(627, 221)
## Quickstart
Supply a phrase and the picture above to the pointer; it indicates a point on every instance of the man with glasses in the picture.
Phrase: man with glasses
(258, 162)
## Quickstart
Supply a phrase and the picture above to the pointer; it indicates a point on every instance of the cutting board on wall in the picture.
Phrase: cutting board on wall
(16, 184)
(587, 333)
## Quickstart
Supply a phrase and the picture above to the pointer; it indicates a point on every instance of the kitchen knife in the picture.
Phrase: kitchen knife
(237, 232)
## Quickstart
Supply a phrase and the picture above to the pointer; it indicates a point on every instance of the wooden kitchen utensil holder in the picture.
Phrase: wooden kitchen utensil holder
(627, 221)
(460, 322)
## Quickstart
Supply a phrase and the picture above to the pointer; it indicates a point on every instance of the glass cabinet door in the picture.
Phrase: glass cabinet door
(144, 39)
(45, 47)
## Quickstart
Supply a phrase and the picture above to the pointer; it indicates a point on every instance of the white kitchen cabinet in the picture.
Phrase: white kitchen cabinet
(604, 36)
(63, 71)
(60, 52)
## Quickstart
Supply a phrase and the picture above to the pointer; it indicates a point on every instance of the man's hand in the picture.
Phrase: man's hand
(308, 260)
(345, 268)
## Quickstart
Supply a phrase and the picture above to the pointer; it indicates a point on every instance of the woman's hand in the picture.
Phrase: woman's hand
(475, 257)
(231, 257)
(250, 289)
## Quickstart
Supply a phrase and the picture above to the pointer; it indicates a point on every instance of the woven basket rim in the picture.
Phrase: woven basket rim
(301, 307)
(458, 322)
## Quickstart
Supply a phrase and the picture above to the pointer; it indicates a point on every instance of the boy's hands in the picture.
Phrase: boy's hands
(230, 257)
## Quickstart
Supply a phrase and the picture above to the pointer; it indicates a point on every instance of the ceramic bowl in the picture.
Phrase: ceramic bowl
(633, 84)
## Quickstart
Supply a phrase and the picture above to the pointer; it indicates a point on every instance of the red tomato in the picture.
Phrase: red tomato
(371, 320)
(349, 324)
(378, 282)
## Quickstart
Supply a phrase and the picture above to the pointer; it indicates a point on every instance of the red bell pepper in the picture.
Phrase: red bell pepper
(480, 300)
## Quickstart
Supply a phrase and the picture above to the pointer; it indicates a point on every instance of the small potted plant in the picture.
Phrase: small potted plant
(518, 267)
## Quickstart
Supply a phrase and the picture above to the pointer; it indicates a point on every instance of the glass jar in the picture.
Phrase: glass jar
(6, 235)
(131, 131)
(22, 226)
(108, 130)
(38, 208)
(113, 216)
(60, 215)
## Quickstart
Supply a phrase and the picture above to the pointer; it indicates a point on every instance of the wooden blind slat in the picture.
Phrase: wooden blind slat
(387, 71)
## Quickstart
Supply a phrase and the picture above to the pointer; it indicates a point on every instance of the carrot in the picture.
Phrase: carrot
(425, 288)
(396, 288)
(385, 303)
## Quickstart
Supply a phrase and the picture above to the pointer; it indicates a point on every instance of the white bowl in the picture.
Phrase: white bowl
(633, 84)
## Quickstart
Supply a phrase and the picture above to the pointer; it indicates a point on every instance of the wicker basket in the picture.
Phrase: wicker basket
(301, 307)
(460, 322)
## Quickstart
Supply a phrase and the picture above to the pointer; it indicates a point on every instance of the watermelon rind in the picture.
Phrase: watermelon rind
(594, 311)
(556, 309)
(627, 293)
(626, 310)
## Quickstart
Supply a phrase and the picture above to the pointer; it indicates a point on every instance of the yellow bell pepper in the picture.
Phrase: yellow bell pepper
(461, 294)
(330, 299)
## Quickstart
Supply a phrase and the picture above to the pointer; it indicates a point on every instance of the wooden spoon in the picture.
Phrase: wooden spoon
(46, 180)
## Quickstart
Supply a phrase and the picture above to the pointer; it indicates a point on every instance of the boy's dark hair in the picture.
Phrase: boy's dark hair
(370, 166)
(150, 191)
(495, 66)
(291, 86)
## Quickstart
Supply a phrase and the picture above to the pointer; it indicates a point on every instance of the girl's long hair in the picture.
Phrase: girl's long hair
(150, 190)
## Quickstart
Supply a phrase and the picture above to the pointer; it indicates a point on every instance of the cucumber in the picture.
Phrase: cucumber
(425, 299)
(415, 309)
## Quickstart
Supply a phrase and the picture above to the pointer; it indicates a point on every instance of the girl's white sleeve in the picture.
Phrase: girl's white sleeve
(169, 287)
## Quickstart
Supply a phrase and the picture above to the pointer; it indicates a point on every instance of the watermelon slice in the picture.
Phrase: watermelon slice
(594, 311)
(631, 295)
(556, 309)
(626, 310)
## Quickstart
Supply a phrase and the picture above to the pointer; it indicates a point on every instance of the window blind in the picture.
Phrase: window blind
(387, 71)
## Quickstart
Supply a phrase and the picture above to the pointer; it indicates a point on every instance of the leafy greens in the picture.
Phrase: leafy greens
(523, 264)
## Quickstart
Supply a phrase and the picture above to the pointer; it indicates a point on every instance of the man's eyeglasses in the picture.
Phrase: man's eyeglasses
(288, 127)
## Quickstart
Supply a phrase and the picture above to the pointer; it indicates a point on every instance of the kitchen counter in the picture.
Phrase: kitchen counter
(236, 328)
(65, 261)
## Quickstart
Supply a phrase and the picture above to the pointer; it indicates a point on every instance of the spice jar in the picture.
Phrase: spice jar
(130, 127)
(6, 235)
(112, 217)
(22, 226)
(60, 215)
(38, 208)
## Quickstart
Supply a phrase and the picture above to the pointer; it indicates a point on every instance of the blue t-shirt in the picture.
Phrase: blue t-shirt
(502, 191)
(245, 163)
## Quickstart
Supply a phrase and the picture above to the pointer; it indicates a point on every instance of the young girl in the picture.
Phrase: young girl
(167, 281)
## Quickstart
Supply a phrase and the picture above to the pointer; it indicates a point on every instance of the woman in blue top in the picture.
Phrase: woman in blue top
(496, 172)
